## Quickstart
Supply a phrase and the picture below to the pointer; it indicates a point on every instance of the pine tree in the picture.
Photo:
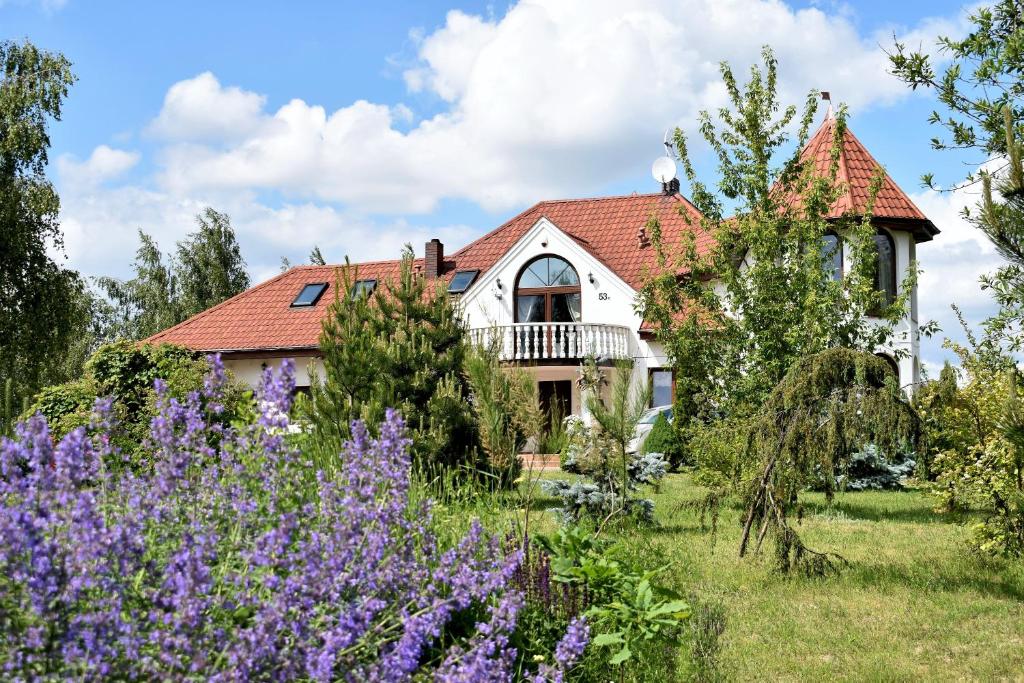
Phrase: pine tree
(351, 361)
(403, 346)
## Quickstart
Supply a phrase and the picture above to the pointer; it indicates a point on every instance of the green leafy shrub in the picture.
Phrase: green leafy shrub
(127, 372)
(982, 464)
(632, 615)
(664, 439)
(506, 411)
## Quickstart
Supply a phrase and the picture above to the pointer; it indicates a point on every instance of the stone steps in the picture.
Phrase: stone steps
(540, 461)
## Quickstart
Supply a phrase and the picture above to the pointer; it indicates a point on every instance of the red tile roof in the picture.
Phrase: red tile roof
(856, 170)
(607, 227)
(261, 318)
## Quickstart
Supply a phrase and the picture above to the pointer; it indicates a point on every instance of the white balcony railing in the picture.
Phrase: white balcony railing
(554, 341)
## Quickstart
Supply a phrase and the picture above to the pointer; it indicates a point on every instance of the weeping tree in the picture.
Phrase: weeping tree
(826, 406)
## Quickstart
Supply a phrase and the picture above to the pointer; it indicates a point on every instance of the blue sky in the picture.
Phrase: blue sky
(373, 124)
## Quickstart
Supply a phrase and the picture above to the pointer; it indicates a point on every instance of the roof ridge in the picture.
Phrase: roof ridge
(483, 238)
(632, 195)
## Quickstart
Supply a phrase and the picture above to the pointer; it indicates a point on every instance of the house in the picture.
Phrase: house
(555, 283)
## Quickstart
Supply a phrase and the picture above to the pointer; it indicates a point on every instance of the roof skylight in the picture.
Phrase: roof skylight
(462, 280)
(310, 294)
(363, 288)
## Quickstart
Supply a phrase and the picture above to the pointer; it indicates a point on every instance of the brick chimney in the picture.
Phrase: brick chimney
(433, 262)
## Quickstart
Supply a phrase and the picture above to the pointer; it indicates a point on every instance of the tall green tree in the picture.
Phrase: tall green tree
(764, 296)
(210, 267)
(404, 347)
(980, 90)
(41, 303)
(165, 290)
(148, 302)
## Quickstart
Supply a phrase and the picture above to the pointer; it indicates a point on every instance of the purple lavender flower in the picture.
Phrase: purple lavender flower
(231, 559)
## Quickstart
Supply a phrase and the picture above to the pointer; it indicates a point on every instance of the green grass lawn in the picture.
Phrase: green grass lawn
(914, 604)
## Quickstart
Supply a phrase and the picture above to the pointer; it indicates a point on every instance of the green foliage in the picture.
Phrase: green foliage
(734, 320)
(127, 372)
(506, 409)
(979, 443)
(403, 347)
(209, 268)
(631, 614)
(980, 74)
(601, 452)
(664, 439)
(807, 430)
(43, 307)
(555, 437)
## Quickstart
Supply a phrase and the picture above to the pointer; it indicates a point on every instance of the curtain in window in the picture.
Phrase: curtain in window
(530, 309)
(575, 306)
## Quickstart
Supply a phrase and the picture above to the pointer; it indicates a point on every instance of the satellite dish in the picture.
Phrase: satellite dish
(663, 169)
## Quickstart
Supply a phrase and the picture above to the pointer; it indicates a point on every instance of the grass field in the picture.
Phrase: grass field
(914, 604)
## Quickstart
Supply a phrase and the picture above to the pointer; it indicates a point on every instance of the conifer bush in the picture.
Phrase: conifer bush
(233, 558)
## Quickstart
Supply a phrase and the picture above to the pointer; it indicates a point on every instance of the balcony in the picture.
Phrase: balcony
(554, 341)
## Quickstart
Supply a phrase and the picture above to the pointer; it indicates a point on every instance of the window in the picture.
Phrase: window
(832, 255)
(663, 387)
(547, 291)
(363, 288)
(310, 294)
(885, 272)
(462, 280)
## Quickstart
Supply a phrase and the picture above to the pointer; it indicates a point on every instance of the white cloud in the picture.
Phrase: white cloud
(554, 98)
(952, 265)
(201, 109)
(101, 229)
(105, 163)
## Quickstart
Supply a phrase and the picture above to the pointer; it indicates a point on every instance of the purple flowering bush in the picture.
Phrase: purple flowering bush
(232, 558)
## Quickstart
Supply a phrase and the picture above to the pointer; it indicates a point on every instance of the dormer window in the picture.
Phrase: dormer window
(363, 288)
(309, 294)
(462, 280)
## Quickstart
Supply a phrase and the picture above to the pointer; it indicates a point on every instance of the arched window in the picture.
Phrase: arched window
(832, 255)
(548, 290)
(885, 272)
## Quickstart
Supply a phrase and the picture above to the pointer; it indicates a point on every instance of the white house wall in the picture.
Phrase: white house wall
(607, 300)
(250, 370)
